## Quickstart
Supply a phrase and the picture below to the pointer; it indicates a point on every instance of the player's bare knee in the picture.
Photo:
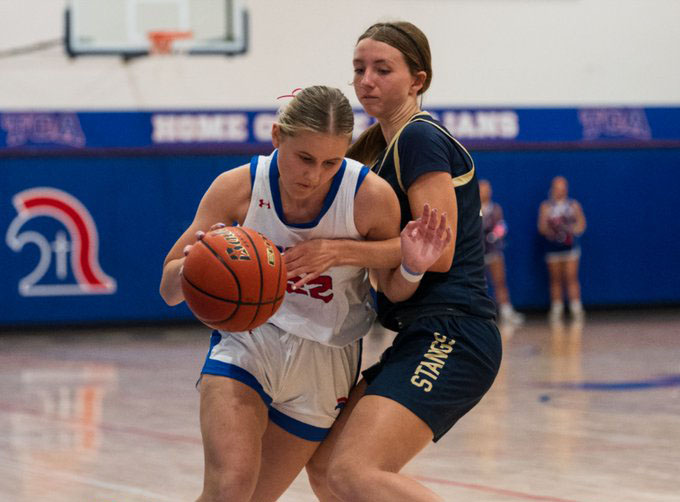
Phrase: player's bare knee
(344, 479)
(316, 473)
(235, 485)
(572, 277)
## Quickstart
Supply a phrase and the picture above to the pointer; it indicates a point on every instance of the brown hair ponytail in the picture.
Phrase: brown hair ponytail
(368, 146)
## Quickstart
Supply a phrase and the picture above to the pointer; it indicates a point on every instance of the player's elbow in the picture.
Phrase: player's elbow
(398, 296)
(170, 300)
(394, 289)
(444, 263)
(167, 298)
(170, 295)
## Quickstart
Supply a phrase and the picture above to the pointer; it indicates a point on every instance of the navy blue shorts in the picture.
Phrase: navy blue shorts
(439, 367)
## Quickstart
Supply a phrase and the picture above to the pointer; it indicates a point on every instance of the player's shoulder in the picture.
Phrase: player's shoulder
(427, 128)
(367, 180)
(430, 138)
(374, 192)
(353, 165)
(234, 184)
(424, 130)
(227, 196)
(375, 203)
(233, 176)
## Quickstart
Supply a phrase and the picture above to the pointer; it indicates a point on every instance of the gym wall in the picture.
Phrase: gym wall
(589, 89)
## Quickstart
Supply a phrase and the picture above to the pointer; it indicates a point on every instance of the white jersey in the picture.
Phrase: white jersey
(333, 309)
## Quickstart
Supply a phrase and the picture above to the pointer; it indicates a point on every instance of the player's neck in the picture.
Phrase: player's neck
(296, 210)
(391, 124)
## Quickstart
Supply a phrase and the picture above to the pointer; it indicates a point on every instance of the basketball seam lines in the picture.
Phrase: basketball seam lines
(236, 280)
(226, 265)
(250, 304)
(282, 268)
(259, 267)
(239, 302)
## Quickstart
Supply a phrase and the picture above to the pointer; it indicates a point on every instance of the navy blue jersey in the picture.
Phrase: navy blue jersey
(423, 146)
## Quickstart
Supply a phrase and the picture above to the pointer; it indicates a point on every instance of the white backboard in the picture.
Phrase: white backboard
(122, 27)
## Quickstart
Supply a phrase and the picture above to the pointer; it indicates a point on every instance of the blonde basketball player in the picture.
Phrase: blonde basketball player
(270, 396)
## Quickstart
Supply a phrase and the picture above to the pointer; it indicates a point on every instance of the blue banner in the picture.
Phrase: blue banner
(83, 239)
(249, 131)
(83, 234)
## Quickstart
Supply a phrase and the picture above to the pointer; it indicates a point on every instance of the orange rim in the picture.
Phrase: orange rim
(162, 41)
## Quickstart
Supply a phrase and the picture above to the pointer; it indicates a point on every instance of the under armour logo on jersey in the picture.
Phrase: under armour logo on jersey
(265, 203)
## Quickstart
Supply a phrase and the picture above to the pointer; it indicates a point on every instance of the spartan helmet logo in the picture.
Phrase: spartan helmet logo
(77, 248)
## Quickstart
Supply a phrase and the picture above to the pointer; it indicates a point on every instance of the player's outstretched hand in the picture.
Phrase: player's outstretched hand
(424, 240)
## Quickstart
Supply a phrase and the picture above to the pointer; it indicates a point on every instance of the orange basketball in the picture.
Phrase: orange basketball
(234, 279)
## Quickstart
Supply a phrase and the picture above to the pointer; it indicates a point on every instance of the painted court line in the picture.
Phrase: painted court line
(103, 426)
(177, 438)
(88, 481)
(490, 489)
(625, 385)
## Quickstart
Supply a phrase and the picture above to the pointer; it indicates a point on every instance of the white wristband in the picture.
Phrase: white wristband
(408, 275)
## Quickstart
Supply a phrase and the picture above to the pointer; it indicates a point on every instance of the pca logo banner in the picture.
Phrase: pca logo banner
(68, 245)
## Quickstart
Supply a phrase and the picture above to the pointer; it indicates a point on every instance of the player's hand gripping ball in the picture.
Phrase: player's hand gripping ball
(234, 279)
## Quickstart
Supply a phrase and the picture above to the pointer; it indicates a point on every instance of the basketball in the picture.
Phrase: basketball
(234, 279)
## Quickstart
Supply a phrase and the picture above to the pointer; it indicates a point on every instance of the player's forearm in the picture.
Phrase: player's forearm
(444, 262)
(171, 282)
(369, 254)
(396, 287)
(580, 227)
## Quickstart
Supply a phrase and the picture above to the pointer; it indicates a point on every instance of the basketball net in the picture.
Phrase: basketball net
(164, 42)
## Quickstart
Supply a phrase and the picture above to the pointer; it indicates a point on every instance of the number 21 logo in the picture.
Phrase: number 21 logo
(80, 240)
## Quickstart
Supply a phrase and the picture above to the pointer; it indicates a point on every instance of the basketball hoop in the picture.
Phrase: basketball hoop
(163, 42)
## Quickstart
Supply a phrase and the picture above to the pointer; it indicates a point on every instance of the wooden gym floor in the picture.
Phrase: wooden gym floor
(579, 413)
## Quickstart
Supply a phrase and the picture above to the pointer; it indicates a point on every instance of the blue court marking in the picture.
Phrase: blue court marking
(631, 385)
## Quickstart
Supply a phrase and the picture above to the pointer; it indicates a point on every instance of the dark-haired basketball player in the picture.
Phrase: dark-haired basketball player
(448, 349)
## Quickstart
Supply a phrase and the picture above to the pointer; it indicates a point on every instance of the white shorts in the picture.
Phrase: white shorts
(492, 257)
(569, 254)
(304, 383)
